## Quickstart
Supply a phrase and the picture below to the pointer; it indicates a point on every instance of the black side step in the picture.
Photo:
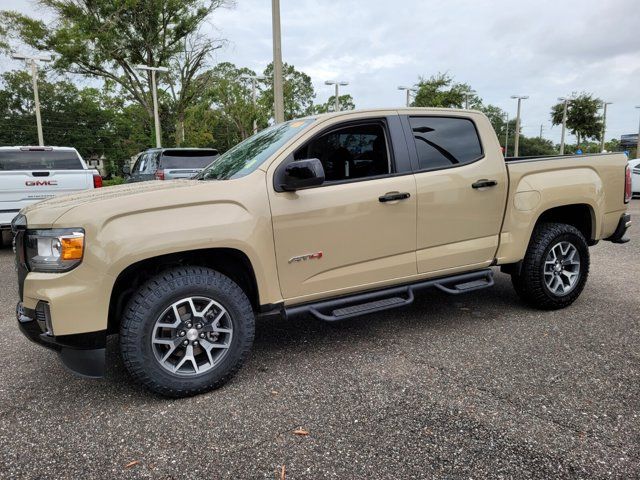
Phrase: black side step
(388, 298)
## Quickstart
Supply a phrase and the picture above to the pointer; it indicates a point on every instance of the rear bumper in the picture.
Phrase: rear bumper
(83, 354)
(623, 225)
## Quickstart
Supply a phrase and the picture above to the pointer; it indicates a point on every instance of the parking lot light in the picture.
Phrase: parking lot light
(154, 94)
(337, 94)
(516, 141)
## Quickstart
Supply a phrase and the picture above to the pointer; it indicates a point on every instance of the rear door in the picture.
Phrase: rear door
(33, 174)
(185, 163)
(461, 187)
(349, 233)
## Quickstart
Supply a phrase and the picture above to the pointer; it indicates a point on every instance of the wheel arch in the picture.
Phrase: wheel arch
(579, 215)
(231, 262)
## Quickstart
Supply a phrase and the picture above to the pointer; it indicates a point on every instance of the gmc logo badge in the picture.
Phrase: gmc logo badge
(41, 183)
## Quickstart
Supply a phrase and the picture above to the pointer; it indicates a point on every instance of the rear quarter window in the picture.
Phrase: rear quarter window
(443, 142)
(39, 160)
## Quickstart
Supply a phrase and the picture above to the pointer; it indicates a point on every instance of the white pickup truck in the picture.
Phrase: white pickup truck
(32, 174)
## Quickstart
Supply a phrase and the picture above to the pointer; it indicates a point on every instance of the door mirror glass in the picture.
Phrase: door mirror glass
(303, 174)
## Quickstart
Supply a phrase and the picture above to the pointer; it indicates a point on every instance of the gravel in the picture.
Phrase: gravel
(476, 386)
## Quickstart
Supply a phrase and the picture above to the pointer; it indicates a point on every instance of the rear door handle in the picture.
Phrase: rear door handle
(484, 183)
(392, 196)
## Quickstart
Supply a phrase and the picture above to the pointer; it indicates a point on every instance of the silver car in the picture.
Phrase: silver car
(170, 163)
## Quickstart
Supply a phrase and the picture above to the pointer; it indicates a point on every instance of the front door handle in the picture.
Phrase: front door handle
(393, 196)
(484, 183)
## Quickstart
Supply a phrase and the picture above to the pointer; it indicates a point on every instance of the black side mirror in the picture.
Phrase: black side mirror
(126, 169)
(302, 174)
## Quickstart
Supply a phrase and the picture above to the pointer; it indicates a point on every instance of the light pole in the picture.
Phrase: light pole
(506, 135)
(254, 82)
(33, 63)
(466, 98)
(604, 124)
(638, 144)
(154, 94)
(409, 91)
(516, 140)
(564, 121)
(337, 94)
(541, 127)
(278, 83)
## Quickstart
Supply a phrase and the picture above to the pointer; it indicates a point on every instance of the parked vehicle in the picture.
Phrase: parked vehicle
(170, 163)
(334, 216)
(635, 176)
(32, 174)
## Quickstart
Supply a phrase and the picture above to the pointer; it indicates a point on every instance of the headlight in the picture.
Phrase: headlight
(56, 250)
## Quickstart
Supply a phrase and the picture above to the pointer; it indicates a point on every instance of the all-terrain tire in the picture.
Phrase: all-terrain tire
(530, 283)
(156, 296)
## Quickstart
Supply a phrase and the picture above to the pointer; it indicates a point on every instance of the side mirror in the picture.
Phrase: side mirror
(302, 174)
(126, 169)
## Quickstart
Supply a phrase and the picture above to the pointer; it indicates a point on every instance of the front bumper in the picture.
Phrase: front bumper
(621, 230)
(83, 353)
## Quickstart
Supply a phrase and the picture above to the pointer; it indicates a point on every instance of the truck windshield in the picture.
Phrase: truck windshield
(248, 155)
(39, 160)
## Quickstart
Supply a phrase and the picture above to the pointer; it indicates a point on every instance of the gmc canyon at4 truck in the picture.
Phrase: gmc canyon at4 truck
(335, 216)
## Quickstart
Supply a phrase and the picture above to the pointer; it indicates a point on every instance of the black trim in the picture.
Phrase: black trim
(621, 230)
(82, 353)
(536, 158)
(11, 210)
(452, 284)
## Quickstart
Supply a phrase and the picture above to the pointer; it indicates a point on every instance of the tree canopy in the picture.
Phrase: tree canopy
(583, 119)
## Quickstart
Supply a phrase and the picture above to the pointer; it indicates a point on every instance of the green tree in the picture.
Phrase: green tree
(298, 92)
(583, 119)
(443, 91)
(345, 102)
(106, 39)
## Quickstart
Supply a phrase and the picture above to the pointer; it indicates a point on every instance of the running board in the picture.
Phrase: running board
(388, 298)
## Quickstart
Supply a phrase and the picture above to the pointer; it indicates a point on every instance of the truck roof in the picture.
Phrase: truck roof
(407, 110)
(35, 147)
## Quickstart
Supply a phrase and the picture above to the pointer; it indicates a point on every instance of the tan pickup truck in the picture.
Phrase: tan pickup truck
(334, 216)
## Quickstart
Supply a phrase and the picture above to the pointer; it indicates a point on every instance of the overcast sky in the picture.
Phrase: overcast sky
(543, 48)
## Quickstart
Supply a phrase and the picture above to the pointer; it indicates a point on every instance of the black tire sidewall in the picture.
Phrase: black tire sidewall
(583, 250)
(155, 297)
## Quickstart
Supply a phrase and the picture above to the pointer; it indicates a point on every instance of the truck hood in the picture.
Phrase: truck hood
(101, 200)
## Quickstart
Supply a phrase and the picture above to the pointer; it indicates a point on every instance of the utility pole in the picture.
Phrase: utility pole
(516, 142)
(638, 144)
(541, 127)
(604, 124)
(506, 135)
(337, 94)
(564, 122)
(154, 94)
(278, 84)
(33, 63)
(254, 83)
(409, 91)
(466, 98)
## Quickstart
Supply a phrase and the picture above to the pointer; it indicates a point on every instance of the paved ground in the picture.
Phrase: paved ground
(470, 387)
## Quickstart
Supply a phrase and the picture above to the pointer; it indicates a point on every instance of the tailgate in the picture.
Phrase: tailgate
(21, 188)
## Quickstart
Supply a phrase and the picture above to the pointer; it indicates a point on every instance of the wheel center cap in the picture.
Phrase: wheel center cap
(192, 334)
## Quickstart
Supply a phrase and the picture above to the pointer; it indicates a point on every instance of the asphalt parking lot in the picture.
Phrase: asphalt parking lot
(475, 386)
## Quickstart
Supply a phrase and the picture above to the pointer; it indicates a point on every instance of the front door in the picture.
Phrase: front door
(358, 229)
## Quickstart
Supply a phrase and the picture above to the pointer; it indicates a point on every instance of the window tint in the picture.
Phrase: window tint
(351, 152)
(39, 160)
(188, 158)
(443, 142)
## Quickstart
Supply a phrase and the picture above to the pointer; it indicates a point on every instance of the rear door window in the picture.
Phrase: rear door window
(39, 160)
(188, 159)
(445, 141)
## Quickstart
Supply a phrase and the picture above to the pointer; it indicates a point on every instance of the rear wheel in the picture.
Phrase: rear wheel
(186, 331)
(555, 268)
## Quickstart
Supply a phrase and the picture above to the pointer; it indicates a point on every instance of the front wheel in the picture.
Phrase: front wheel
(555, 268)
(186, 331)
